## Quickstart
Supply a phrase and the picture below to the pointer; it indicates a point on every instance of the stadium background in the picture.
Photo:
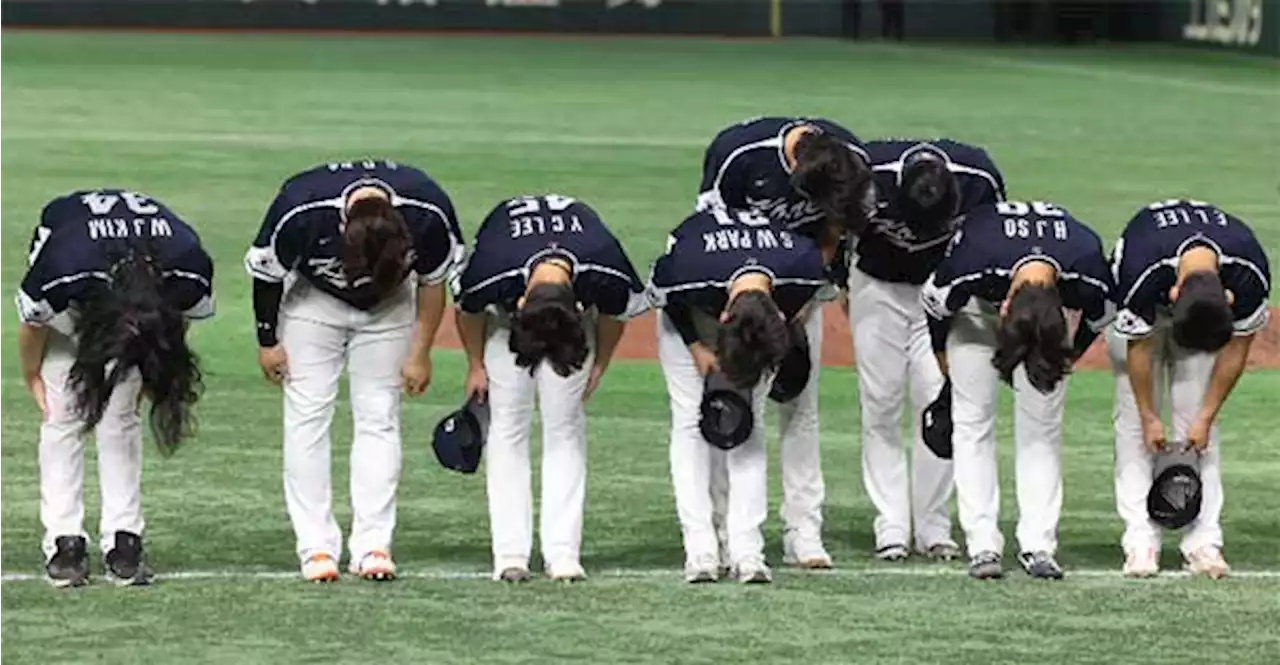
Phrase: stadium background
(211, 120)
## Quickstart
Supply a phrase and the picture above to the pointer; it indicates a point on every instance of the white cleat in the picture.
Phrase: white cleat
(567, 572)
(753, 571)
(805, 552)
(320, 568)
(1141, 563)
(1208, 561)
(703, 569)
(375, 566)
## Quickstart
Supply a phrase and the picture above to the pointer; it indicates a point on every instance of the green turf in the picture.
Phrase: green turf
(211, 125)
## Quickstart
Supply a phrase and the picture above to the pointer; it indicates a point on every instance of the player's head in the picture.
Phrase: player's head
(375, 244)
(928, 193)
(1202, 317)
(753, 337)
(126, 325)
(835, 179)
(1032, 332)
(547, 325)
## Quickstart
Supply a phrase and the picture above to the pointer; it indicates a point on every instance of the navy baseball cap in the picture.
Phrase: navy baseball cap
(1176, 490)
(459, 439)
(793, 373)
(726, 417)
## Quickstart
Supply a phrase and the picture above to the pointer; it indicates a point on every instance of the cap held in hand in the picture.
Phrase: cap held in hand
(1176, 490)
(935, 424)
(459, 439)
(793, 373)
(726, 417)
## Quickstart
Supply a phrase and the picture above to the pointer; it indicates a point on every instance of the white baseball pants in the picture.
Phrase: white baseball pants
(894, 356)
(1180, 377)
(320, 334)
(692, 460)
(799, 452)
(1037, 427)
(119, 437)
(512, 391)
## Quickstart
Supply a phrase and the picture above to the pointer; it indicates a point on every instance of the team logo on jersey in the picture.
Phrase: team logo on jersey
(900, 234)
(779, 209)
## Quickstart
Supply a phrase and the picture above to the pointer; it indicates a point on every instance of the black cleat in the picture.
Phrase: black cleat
(69, 565)
(126, 563)
(985, 565)
(514, 575)
(1040, 565)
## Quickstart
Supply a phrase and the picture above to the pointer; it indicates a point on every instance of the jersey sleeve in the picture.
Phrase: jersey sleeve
(439, 248)
(278, 245)
(723, 179)
(1139, 291)
(1096, 289)
(983, 182)
(189, 284)
(947, 289)
(37, 306)
(617, 293)
(1251, 294)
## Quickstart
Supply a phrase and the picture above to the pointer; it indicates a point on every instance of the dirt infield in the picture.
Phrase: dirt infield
(640, 342)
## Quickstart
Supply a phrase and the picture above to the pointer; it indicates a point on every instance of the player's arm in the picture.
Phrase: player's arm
(32, 339)
(438, 253)
(269, 260)
(1227, 369)
(941, 300)
(471, 330)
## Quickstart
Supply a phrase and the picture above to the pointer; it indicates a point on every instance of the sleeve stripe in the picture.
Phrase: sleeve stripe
(297, 210)
(183, 274)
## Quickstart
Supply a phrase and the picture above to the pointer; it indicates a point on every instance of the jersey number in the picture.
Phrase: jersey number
(1048, 221)
(102, 204)
(530, 205)
(726, 217)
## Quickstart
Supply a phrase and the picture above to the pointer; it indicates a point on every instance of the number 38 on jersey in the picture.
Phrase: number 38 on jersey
(1033, 219)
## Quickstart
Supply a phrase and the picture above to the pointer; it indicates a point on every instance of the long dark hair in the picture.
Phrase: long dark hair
(375, 245)
(834, 179)
(126, 324)
(753, 339)
(1033, 334)
(1202, 318)
(549, 328)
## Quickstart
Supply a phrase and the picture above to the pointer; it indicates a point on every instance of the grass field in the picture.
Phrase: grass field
(212, 124)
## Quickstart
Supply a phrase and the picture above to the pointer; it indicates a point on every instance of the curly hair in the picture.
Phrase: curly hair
(1033, 334)
(835, 179)
(549, 328)
(753, 340)
(124, 325)
(1202, 317)
(375, 245)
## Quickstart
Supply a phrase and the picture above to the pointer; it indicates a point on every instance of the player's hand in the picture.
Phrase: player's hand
(703, 358)
(1153, 433)
(1198, 434)
(593, 381)
(477, 383)
(274, 363)
(35, 386)
(417, 375)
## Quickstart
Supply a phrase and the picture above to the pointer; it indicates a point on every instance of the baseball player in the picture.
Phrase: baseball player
(924, 187)
(729, 284)
(542, 303)
(113, 278)
(1193, 284)
(349, 268)
(809, 175)
(995, 307)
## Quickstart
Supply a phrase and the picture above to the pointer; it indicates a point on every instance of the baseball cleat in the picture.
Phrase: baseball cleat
(805, 553)
(1040, 565)
(69, 565)
(320, 568)
(1140, 563)
(942, 552)
(702, 569)
(126, 563)
(567, 572)
(985, 566)
(753, 571)
(895, 552)
(513, 575)
(1207, 561)
(375, 566)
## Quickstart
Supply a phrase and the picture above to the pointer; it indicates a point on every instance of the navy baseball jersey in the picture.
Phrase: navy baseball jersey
(302, 231)
(83, 234)
(1145, 264)
(520, 232)
(996, 240)
(891, 249)
(745, 168)
(713, 247)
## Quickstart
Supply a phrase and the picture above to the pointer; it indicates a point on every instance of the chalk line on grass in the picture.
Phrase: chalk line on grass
(636, 574)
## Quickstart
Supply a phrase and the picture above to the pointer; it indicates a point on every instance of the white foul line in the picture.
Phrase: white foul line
(646, 573)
